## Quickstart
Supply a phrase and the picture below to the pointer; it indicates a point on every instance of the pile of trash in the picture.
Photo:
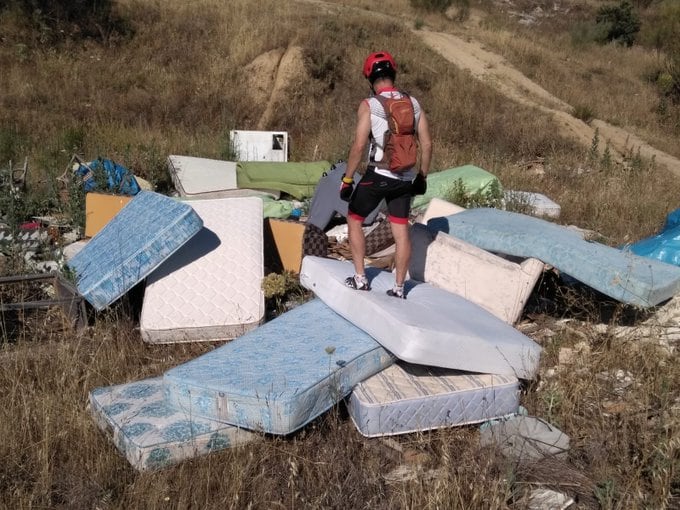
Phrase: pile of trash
(448, 355)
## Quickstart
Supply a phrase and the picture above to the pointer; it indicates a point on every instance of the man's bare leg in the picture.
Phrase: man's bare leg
(400, 232)
(357, 243)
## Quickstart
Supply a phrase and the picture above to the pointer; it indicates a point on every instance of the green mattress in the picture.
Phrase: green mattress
(297, 179)
(442, 184)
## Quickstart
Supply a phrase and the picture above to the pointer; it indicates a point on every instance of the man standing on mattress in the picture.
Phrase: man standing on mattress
(394, 126)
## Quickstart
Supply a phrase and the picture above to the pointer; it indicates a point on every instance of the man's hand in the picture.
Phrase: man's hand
(346, 188)
(419, 185)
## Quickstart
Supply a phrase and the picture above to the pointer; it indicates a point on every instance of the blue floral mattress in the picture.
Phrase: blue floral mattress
(150, 433)
(149, 229)
(280, 376)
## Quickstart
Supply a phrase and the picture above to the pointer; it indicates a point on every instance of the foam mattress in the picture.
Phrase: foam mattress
(407, 398)
(150, 433)
(431, 327)
(280, 376)
(211, 288)
(620, 275)
(135, 242)
(208, 178)
(500, 286)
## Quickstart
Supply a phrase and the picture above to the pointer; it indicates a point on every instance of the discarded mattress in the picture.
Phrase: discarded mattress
(137, 240)
(281, 375)
(537, 203)
(623, 276)
(150, 433)
(437, 208)
(211, 288)
(446, 183)
(664, 246)
(407, 398)
(208, 178)
(432, 327)
(498, 285)
(296, 179)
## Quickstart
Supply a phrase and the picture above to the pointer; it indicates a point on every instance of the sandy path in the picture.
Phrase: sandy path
(470, 55)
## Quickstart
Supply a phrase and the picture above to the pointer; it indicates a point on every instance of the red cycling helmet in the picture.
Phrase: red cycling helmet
(380, 64)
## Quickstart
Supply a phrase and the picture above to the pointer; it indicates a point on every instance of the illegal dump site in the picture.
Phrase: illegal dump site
(176, 330)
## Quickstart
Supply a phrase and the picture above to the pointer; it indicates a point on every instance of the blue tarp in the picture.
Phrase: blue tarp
(118, 178)
(664, 246)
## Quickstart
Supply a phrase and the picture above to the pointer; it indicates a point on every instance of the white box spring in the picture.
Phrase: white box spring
(407, 398)
(210, 289)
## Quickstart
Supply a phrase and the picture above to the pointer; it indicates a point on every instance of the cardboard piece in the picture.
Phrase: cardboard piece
(287, 237)
(100, 208)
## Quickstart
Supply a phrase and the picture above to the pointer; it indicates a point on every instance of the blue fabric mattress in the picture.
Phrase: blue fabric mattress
(280, 376)
(623, 276)
(149, 229)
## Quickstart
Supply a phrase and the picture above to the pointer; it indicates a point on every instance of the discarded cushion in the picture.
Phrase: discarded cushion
(623, 276)
(135, 242)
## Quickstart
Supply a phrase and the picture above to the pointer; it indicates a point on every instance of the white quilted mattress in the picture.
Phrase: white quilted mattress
(430, 327)
(208, 178)
(210, 289)
(407, 398)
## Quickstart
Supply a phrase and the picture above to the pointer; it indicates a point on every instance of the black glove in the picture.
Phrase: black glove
(419, 185)
(346, 189)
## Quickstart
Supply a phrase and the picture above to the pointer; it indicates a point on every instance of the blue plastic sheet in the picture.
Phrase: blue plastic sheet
(117, 178)
(664, 246)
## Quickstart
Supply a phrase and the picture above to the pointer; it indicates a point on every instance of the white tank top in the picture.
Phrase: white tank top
(378, 127)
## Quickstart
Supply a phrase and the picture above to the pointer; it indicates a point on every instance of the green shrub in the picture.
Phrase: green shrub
(583, 112)
(431, 5)
(621, 22)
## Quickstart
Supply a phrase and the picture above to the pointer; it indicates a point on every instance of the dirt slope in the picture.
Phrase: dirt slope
(469, 54)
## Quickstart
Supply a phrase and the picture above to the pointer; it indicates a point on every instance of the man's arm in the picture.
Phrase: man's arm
(363, 130)
(425, 143)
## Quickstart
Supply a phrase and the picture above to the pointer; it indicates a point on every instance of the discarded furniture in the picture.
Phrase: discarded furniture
(447, 183)
(286, 238)
(100, 208)
(623, 276)
(496, 284)
(406, 398)
(297, 179)
(134, 243)
(280, 376)
(62, 294)
(259, 145)
(536, 204)
(437, 208)
(211, 287)
(431, 327)
(150, 433)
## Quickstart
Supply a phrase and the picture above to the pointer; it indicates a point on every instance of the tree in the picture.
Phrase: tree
(621, 22)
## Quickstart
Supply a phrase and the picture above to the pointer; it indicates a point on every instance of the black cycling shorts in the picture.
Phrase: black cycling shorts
(373, 188)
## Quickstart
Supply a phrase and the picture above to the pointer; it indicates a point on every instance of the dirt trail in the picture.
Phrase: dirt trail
(470, 55)
(494, 70)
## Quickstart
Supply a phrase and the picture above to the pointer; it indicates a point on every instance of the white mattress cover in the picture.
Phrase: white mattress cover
(430, 327)
(496, 284)
(208, 178)
(408, 398)
(210, 289)
(438, 207)
(150, 433)
(540, 204)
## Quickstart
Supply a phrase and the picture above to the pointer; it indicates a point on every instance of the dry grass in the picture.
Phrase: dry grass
(177, 87)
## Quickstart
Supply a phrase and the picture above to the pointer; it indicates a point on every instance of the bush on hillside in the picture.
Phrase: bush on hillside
(621, 22)
(57, 20)
(431, 5)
